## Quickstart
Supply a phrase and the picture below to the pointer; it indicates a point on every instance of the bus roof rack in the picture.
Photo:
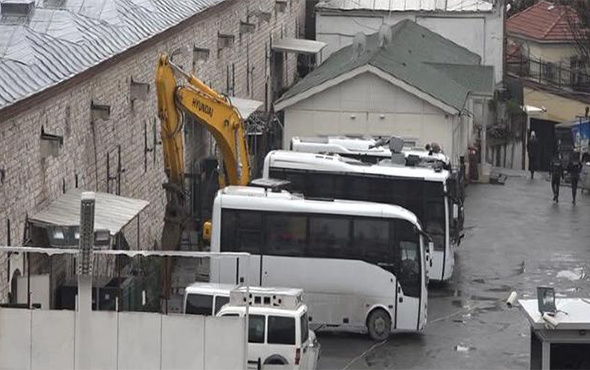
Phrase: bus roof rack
(275, 185)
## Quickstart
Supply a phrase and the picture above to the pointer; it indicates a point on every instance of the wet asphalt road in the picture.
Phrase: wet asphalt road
(516, 239)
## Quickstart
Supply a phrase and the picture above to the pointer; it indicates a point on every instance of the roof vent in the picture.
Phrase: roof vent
(385, 35)
(16, 7)
(359, 44)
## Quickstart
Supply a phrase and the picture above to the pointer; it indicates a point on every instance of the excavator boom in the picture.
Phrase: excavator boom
(220, 118)
(223, 121)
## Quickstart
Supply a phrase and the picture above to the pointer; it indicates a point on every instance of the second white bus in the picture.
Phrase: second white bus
(360, 264)
(424, 191)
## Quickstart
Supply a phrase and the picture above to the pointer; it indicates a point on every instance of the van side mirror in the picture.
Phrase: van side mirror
(207, 231)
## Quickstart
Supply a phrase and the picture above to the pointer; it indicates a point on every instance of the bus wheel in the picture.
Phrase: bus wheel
(379, 325)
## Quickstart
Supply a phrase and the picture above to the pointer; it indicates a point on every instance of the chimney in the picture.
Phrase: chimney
(18, 8)
(359, 45)
(385, 35)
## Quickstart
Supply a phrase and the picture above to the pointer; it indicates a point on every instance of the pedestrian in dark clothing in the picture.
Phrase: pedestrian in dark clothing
(556, 169)
(574, 168)
(533, 150)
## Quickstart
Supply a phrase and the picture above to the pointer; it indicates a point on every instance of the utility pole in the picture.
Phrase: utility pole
(83, 350)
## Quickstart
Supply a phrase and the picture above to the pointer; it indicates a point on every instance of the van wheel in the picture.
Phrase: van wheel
(275, 360)
(379, 325)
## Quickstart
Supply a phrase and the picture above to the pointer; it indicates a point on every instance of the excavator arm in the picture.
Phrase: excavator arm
(221, 119)
(210, 109)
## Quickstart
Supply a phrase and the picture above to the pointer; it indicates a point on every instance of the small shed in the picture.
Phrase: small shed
(563, 342)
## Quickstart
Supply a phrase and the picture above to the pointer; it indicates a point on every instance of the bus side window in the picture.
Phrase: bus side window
(228, 230)
(372, 235)
(286, 234)
(250, 236)
(329, 237)
(321, 185)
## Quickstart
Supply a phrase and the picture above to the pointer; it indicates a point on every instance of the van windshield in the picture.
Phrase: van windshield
(199, 304)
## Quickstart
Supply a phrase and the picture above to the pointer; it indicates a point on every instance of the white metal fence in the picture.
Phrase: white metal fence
(40, 339)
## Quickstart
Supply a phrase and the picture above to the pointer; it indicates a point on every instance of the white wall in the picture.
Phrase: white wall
(368, 105)
(40, 339)
(481, 33)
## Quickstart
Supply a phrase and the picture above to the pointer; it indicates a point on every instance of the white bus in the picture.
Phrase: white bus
(423, 191)
(364, 149)
(360, 264)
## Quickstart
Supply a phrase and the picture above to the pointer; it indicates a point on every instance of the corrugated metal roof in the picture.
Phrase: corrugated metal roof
(407, 5)
(58, 40)
(245, 106)
(408, 57)
(112, 212)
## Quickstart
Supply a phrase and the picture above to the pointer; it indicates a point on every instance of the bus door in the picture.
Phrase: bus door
(411, 290)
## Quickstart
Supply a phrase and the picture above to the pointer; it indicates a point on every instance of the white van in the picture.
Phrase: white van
(278, 331)
(206, 298)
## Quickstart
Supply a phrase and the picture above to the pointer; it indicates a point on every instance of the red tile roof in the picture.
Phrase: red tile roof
(543, 21)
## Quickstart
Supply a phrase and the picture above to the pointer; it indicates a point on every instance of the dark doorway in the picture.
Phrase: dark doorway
(545, 131)
(277, 74)
(14, 286)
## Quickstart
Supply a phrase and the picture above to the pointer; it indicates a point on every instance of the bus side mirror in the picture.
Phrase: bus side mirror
(207, 231)
(455, 211)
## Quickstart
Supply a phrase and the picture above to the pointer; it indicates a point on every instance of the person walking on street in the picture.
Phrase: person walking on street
(533, 150)
(556, 170)
(574, 168)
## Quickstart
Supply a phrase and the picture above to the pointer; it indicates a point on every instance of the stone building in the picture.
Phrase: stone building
(77, 92)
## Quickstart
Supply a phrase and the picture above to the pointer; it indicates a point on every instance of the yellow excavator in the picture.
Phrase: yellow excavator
(213, 110)
(218, 115)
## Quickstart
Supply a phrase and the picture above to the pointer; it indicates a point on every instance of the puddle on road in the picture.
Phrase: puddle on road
(501, 288)
(573, 274)
(463, 348)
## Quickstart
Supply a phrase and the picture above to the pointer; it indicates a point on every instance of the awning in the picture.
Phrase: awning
(299, 46)
(532, 110)
(245, 106)
(111, 212)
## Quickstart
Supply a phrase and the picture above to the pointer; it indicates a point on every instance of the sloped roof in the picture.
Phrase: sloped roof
(476, 78)
(408, 57)
(60, 39)
(407, 5)
(543, 22)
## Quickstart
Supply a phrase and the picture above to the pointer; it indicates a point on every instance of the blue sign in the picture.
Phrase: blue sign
(581, 136)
